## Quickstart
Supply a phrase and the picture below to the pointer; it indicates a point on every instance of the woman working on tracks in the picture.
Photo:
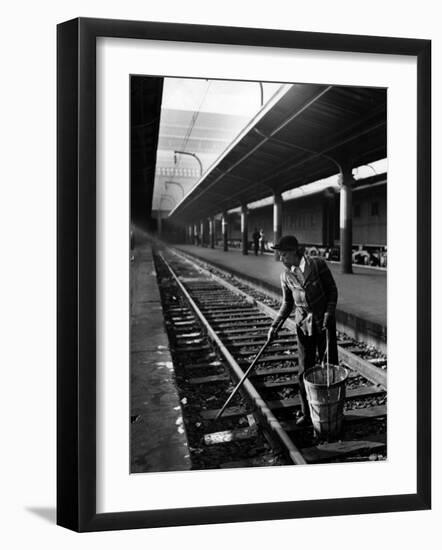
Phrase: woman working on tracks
(308, 286)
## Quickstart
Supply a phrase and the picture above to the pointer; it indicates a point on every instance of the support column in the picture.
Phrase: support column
(189, 235)
(244, 229)
(212, 232)
(202, 232)
(195, 234)
(224, 227)
(346, 219)
(277, 220)
(328, 218)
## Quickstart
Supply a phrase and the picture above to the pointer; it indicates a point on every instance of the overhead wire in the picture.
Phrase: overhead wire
(193, 121)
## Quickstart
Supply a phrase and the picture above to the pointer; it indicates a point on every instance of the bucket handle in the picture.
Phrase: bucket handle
(326, 355)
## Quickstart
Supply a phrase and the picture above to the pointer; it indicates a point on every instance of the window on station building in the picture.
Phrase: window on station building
(357, 210)
(375, 208)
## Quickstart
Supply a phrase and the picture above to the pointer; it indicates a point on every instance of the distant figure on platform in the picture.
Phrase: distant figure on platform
(132, 239)
(308, 286)
(261, 240)
(255, 238)
(132, 243)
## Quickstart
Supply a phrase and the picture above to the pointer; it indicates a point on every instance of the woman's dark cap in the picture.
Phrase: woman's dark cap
(289, 242)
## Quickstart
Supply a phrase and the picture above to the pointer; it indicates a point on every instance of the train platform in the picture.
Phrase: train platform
(158, 436)
(362, 301)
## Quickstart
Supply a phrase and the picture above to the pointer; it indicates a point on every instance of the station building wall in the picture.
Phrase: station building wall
(303, 218)
(314, 219)
(370, 216)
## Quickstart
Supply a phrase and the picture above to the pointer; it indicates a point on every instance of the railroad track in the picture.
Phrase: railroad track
(216, 327)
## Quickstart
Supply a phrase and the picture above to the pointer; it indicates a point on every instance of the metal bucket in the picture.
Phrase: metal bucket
(325, 389)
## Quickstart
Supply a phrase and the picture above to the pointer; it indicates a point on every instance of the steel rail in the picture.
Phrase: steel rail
(263, 410)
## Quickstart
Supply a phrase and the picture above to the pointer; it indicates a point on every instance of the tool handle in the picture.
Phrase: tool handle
(243, 379)
(248, 371)
(325, 355)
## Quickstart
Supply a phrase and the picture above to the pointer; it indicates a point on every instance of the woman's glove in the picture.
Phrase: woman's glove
(328, 321)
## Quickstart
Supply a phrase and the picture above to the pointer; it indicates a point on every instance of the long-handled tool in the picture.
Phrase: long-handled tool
(243, 379)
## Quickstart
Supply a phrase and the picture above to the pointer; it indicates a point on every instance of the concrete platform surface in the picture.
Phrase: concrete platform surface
(362, 296)
(158, 437)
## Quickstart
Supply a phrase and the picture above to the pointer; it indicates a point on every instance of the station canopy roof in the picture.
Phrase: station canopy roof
(303, 134)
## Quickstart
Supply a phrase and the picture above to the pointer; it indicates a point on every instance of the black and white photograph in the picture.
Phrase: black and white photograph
(243, 274)
(221, 247)
(258, 274)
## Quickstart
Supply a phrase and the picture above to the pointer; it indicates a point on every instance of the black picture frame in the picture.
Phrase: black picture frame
(76, 273)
